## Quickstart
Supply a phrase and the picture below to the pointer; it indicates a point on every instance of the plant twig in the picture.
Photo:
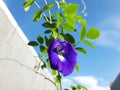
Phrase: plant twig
(11, 59)
(48, 11)
(40, 8)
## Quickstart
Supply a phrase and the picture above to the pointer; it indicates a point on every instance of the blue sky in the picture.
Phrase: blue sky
(101, 65)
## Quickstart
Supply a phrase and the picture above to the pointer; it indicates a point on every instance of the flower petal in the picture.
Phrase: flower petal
(67, 65)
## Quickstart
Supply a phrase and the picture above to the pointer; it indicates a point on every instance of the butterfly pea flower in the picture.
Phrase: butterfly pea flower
(62, 56)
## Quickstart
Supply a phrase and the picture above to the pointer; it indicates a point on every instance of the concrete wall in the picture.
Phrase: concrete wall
(17, 59)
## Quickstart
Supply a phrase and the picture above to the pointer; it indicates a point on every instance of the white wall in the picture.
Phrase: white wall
(16, 57)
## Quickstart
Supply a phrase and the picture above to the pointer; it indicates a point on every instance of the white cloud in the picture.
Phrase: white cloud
(110, 33)
(90, 82)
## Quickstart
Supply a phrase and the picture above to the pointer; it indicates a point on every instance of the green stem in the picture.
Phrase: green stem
(48, 12)
(40, 8)
(60, 81)
(77, 43)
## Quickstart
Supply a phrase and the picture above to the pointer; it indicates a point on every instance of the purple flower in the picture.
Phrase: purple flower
(62, 56)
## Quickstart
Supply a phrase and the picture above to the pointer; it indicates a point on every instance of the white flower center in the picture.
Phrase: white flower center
(61, 57)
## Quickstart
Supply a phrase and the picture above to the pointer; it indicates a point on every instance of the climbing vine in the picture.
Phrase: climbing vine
(58, 47)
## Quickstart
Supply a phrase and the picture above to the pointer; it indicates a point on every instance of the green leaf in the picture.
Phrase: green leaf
(49, 25)
(40, 39)
(35, 67)
(73, 87)
(54, 72)
(48, 41)
(59, 19)
(33, 43)
(37, 16)
(77, 67)
(60, 36)
(68, 26)
(48, 63)
(80, 20)
(68, 37)
(48, 6)
(44, 65)
(71, 8)
(81, 87)
(43, 49)
(48, 32)
(54, 33)
(27, 4)
(63, 4)
(42, 58)
(88, 43)
(93, 33)
(58, 79)
(82, 50)
(82, 32)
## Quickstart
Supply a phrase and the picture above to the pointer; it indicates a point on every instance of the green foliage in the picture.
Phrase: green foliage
(40, 39)
(48, 6)
(27, 4)
(54, 72)
(82, 50)
(82, 32)
(88, 43)
(60, 25)
(77, 67)
(49, 25)
(43, 49)
(68, 26)
(37, 15)
(60, 19)
(48, 32)
(33, 43)
(68, 37)
(71, 9)
(93, 33)
(44, 65)
(73, 87)
(80, 87)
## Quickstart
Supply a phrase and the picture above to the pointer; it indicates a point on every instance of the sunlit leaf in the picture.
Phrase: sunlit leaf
(88, 43)
(68, 26)
(82, 50)
(80, 20)
(37, 16)
(59, 19)
(48, 63)
(54, 72)
(71, 8)
(40, 39)
(60, 36)
(81, 87)
(27, 4)
(48, 6)
(33, 43)
(77, 67)
(93, 33)
(58, 79)
(82, 32)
